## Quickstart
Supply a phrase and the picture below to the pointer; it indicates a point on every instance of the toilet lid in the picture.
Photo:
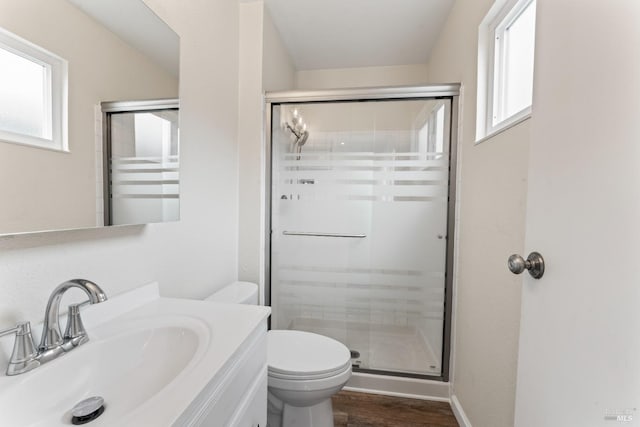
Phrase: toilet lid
(304, 354)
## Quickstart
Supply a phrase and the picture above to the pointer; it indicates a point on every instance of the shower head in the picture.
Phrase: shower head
(299, 132)
(302, 138)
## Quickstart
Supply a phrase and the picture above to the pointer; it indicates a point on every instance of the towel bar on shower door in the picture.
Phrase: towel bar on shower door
(306, 233)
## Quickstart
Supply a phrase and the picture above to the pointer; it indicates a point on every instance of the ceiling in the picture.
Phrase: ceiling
(137, 25)
(358, 33)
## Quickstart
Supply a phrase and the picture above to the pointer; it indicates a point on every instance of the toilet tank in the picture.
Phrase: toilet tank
(237, 293)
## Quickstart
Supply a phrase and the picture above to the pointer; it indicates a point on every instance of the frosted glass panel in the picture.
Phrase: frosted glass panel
(144, 167)
(22, 95)
(371, 183)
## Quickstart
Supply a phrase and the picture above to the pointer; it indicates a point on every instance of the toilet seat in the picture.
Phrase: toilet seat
(303, 377)
(309, 385)
(303, 356)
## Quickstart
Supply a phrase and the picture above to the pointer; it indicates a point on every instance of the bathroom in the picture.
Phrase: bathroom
(554, 351)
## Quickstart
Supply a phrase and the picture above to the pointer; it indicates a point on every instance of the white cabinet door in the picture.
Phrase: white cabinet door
(579, 360)
(252, 411)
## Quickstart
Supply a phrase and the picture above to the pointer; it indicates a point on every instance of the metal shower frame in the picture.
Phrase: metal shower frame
(398, 93)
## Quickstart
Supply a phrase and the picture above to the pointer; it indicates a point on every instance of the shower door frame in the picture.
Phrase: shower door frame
(108, 108)
(397, 93)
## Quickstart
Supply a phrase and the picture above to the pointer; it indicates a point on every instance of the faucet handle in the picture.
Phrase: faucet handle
(75, 331)
(23, 356)
(14, 330)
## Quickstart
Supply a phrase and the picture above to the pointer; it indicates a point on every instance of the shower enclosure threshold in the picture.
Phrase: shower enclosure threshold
(386, 348)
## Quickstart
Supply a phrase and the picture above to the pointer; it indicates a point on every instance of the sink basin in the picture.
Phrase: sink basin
(156, 362)
(126, 363)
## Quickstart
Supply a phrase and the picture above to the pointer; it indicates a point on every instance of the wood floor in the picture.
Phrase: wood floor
(371, 410)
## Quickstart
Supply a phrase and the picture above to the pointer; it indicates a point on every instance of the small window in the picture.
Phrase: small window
(33, 92)
(431, 135)
(505, 66)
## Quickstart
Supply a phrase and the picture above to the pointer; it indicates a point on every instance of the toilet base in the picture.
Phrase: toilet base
(283, 415)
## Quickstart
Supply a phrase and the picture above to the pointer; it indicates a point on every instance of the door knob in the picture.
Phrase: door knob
(534, 263)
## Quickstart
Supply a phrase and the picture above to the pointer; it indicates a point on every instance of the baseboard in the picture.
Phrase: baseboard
(461, 417)
(396, 394)
(414, 388)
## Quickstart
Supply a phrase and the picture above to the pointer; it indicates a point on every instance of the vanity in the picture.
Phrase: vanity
(156, 362)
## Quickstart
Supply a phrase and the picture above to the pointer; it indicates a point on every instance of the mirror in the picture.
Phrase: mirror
(111, 51)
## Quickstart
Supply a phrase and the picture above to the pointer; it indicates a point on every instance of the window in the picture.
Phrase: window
(431, 135)
(505, 66)
(33, 94)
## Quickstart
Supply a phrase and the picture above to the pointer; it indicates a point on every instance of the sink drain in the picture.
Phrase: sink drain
(87, 410)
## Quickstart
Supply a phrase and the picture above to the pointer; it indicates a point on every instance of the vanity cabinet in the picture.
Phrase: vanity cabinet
(237, 395)
(253, 409)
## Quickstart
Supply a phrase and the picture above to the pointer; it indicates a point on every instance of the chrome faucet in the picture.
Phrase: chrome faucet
(53, 344)
(52, 338)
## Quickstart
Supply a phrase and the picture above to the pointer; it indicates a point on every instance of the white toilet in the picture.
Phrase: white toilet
(304, 369)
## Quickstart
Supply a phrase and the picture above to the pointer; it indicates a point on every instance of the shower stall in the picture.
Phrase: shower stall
(360, 222)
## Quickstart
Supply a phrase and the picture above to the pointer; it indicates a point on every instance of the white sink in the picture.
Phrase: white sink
(125, 367)
(148, 364)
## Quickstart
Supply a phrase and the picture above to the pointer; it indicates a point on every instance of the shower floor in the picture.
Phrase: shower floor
(381, 347)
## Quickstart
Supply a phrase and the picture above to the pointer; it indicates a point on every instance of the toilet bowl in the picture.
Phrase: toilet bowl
(304, 369)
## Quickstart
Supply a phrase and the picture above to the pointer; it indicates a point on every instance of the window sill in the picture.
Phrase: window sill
(38, 145)
(503, 128)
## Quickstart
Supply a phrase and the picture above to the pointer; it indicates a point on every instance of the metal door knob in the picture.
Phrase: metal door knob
(534, 263)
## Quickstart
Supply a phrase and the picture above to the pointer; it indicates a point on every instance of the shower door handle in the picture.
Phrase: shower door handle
(313, 234)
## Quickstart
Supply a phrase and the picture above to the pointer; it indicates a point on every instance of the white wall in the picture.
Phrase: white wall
(250, 139)
(492, 200)
(33, 179)
(264, 66)
(190, 258)
(278, 71)
(397, 75)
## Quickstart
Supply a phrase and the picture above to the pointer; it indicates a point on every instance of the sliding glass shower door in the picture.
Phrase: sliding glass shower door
(359, 223)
